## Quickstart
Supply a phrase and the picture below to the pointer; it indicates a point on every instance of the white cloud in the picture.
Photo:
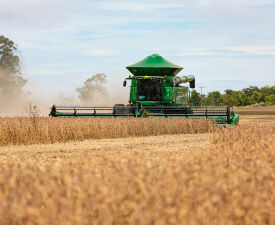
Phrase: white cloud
(256, 50)
(100, 52)
(139, 6)
(29, 11)
(230, 51)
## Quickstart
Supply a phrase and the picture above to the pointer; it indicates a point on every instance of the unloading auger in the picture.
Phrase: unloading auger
(155, 91)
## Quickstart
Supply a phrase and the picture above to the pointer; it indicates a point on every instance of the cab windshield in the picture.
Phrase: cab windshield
(149, 90)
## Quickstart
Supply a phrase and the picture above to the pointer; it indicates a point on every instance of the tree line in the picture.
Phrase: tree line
(11, 81)
(247, 96)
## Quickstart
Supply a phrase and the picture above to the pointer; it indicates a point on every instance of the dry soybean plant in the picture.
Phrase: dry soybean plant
(232, 182)
(35, 130)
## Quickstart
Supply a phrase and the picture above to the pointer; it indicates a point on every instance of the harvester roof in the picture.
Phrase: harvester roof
(154, 65)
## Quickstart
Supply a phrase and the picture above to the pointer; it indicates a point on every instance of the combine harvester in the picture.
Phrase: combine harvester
(155, 91)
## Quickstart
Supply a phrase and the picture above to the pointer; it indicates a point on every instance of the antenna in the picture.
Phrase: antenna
(201, 87)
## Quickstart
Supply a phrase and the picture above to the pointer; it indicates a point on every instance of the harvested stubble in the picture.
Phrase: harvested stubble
(230, 183)
(261, 110)
(27, 131)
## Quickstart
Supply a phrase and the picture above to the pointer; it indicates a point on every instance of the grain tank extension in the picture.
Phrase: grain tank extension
(155, 91)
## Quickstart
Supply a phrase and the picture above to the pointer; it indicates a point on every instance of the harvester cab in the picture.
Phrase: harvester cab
(154, 82)
(155, 91)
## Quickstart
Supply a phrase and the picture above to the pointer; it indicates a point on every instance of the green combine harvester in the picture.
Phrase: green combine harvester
(155, 91)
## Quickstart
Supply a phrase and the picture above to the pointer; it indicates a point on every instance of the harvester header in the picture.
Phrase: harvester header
(155, 91)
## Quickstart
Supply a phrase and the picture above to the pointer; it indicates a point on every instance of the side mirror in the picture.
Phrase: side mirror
(124, 83)
(192, 84)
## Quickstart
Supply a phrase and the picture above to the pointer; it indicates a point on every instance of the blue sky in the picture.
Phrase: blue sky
(225, 44)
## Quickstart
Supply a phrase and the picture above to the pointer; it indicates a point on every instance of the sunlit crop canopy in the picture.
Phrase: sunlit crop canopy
(154, 65)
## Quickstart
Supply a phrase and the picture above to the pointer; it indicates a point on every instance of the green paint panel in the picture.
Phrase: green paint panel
(180, 95)
(133, 94)
(154, 65)
(167, 94)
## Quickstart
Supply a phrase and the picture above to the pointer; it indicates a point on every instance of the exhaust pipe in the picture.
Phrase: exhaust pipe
(185, 79)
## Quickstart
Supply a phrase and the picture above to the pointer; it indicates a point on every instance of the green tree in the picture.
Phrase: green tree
(266, 91)
(205, 101)
(226, 99)
(246, 96)
(195, 98)
(256, 97)
(270, 99)
(214, 98)
(11, 81)
(235, 98)
(228, 91)
(244, 100)
(231, 98)
(249, 91)
(93, 87)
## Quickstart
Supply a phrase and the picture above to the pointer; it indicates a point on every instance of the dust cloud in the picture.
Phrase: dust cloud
(21, 105)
